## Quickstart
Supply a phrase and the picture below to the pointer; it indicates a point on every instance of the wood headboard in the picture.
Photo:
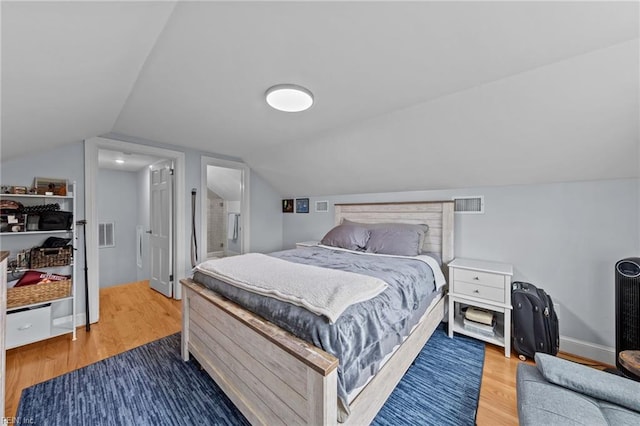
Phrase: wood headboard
(437, 214)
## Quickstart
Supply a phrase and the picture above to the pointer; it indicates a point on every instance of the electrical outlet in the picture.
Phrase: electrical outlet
(558, 308)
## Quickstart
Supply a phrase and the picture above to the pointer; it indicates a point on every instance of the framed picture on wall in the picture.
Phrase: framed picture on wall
(302, 205)
(287, 205)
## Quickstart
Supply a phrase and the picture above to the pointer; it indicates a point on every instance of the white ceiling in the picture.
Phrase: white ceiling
(408, 95)
(108, 159)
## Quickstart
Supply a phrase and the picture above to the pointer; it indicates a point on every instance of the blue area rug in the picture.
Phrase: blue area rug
(150, 385)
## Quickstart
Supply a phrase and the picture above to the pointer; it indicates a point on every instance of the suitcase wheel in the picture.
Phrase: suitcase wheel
(522, 357)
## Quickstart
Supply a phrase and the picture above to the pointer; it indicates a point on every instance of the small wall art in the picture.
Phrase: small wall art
(302, 205)
(287, 205)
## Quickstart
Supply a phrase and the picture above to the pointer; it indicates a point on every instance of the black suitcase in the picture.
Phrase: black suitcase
(535, 323)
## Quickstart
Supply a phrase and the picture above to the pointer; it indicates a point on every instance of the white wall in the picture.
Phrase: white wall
(118, 203)
(564, 237)
(266, 216)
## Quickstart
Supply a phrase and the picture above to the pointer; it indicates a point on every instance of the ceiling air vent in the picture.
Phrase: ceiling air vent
(471, 205)
(322, 206)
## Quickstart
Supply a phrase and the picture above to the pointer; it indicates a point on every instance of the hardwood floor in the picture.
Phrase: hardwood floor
(132, 315)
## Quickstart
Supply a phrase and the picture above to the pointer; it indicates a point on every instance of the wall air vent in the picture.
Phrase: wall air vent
(469, 205)
(106, 235)
(322, 206)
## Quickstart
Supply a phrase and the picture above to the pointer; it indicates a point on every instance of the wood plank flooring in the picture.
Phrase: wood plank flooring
(132, 315)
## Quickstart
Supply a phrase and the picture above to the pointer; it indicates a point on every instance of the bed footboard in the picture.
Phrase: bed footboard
(270, 375)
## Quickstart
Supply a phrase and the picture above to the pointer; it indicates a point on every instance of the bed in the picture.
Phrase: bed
(274, 377)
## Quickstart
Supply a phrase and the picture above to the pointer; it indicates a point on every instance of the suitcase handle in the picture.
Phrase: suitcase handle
(520, 285)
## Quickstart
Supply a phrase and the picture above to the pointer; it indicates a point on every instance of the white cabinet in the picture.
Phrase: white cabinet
(29, 325)
(485, 285)
(52, 314)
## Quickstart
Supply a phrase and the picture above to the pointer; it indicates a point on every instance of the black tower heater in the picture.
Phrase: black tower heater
(627, 307)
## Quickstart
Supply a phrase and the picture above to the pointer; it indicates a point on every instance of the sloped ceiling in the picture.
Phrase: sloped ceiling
(68, 67)
(413, 95)
(226, 183)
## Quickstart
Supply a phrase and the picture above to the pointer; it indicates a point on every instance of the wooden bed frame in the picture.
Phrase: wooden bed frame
(275, 378)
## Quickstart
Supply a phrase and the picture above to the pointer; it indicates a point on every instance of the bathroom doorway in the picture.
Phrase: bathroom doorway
(224, 199)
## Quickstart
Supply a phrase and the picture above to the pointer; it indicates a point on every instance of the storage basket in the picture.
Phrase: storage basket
(36, 293)
(46, 257)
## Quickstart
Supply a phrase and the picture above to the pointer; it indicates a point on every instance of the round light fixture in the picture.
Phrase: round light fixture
(289, 98)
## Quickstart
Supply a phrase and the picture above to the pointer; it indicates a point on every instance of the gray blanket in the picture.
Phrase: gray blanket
(365, 332)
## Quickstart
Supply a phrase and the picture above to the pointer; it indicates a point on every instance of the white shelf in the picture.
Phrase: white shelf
(498, 339)
(11, 270)
(45, 302)
(62, 317)
(59, 197)
(58, 231)
(58, 329)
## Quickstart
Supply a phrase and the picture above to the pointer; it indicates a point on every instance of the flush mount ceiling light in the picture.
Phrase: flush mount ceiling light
(289, 98)
(120, 161)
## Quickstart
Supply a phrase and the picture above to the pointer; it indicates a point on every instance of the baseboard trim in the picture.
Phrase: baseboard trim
(600, 353)
(81, 319)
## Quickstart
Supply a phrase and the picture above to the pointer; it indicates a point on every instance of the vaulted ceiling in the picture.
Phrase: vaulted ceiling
(413, 95)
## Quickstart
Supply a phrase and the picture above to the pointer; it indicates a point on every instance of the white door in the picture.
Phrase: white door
(161, 220)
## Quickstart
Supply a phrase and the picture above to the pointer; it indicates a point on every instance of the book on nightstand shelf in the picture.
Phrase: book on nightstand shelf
(479, 321)
(477, 327)
(479, 315)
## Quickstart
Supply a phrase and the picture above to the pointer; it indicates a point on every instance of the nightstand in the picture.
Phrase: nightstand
(307, 244)
(486, 285)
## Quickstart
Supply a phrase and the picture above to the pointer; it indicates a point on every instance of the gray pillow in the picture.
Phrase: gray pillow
(420, 229)
(347, 236)
(397, 241)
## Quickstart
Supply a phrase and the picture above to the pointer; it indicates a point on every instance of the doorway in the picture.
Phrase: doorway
(224, 191)
(123, 205)
(224, 208)
(179, 246)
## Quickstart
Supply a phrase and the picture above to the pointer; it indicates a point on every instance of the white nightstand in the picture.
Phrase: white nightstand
(307, 244)
(485, 285)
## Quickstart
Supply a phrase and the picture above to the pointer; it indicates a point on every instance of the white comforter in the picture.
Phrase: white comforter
(322, 291)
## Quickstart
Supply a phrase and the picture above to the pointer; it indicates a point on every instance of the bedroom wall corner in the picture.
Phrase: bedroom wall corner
(266, 216)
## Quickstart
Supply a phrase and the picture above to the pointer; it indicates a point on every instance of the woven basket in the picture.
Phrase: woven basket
(47, 257)
(36, 293)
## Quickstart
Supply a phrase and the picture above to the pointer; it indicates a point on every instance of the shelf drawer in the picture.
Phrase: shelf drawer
(481, 291)
(482, 278)
(28, 326)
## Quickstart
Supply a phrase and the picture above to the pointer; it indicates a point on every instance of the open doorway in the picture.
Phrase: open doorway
(224, 192)
(123, 205)
(224, 208)
(178, 244)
